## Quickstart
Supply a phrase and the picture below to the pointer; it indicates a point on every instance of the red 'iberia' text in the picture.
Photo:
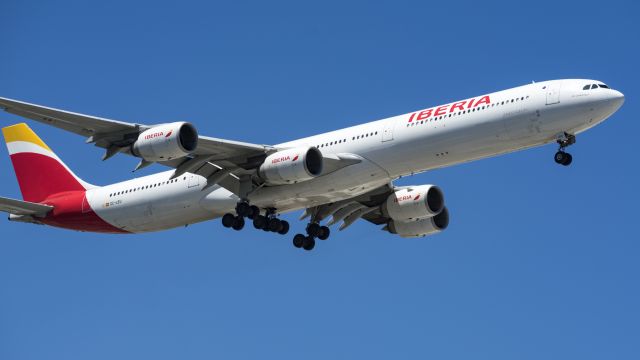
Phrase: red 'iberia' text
(449, 108)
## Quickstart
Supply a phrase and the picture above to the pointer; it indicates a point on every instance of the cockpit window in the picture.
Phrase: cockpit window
(586, 87)
(594, 86)
(603, 86)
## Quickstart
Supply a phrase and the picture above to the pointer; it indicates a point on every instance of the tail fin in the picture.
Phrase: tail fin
(39, 171)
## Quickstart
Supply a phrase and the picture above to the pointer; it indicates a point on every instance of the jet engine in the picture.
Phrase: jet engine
(416, 202)
(166, 142)
(291, 166)
(420, 227)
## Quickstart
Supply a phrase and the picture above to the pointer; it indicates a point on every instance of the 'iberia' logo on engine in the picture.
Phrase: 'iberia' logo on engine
(169, 133)
(295, 158)
(449, 108)
(406, 197)
(281, 159)
(155, 135)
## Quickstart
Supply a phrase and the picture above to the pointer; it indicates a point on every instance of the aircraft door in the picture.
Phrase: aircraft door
(553, 93)
(387, 131)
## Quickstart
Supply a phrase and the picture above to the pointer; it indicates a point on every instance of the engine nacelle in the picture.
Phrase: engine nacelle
(166, 142)
(416, 202)
(420, 227)
(291, 166)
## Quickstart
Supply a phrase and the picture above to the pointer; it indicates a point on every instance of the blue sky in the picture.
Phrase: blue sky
(539, 262)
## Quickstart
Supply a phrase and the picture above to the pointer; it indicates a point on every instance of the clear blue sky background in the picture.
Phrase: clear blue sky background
(540, 261)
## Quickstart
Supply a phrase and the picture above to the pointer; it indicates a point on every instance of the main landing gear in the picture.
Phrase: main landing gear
(268, 222)
(562, 157)
(314, 230)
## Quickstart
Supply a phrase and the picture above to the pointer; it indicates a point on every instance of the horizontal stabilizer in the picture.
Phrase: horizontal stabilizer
(19, 207)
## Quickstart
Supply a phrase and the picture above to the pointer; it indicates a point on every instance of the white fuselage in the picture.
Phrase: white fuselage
(513, 119)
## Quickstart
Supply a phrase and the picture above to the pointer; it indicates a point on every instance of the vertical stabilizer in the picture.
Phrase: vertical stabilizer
(39, 171)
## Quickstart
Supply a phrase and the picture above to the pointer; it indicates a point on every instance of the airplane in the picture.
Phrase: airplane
(340, 176)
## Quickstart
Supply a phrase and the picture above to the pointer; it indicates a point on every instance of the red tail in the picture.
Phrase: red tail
(39, 171)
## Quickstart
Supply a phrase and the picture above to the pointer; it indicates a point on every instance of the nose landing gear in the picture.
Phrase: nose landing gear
(561, 157)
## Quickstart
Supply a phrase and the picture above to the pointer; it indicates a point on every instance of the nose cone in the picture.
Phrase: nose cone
(617, 99)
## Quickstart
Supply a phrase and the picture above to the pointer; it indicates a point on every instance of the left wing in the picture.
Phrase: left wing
(107, 133)
(220, 161)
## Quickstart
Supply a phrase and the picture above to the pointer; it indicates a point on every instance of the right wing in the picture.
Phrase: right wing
(348, 211)
(19, 207)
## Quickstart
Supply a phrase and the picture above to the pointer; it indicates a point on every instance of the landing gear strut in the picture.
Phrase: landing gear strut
(562, 157)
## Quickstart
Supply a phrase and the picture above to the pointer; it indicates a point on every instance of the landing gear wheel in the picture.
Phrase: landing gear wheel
(243, 209)
(313, 229)
(260, 222)
(309, 243)
(324, 233)
(298, 240)
(228, 220)
(285, 228)
(275, 224)
(238, 223)
(563, 158)
(254, 211)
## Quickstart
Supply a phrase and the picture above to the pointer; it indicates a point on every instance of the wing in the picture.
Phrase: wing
(18, 207)
(366, 206)
(108, 133)
(221, 161)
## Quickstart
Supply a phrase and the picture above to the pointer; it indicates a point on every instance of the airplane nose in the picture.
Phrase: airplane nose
(617, 98)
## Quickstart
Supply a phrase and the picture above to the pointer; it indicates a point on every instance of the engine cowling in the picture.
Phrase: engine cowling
(416, 202)
(166, 142)
(420, 227)
(291, 166)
